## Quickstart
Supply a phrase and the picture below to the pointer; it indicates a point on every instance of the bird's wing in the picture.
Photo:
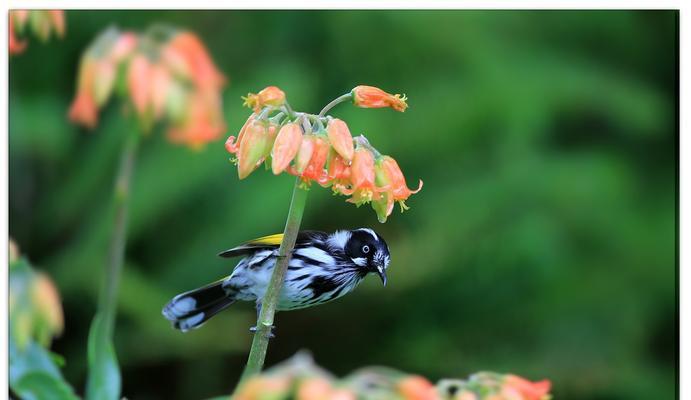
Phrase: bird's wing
(267, 242)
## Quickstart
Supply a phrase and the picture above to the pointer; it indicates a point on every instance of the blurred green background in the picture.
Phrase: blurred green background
(542, 244)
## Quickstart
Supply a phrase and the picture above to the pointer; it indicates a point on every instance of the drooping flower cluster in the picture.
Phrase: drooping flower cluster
(163, 74)
(42, 24)
(299, 378)
(321, 149)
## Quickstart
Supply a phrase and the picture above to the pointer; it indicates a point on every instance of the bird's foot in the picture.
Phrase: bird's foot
(271, 332)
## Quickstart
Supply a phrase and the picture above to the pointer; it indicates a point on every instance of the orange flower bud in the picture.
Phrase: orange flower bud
(269, 96)
(340, 138)
(526, 389)
(285, 147)
(233, 145)
(304, 154)
(417, 388)
(372, 97)
(253, 146)
(139, 83)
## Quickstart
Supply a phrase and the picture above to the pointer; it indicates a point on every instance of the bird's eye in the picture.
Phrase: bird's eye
(365, 249)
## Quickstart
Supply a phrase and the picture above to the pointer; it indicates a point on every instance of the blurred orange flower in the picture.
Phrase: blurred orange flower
(172, 80)
(43, 24)
(415, 387)
(194, 62)
(524, 389)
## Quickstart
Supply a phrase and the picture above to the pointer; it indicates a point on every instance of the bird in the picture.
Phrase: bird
(322, 267)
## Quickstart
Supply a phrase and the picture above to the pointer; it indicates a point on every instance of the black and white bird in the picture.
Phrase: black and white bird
(323, 267)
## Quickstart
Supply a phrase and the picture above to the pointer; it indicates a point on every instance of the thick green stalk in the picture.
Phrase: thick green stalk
(255, 361)
(116, 253)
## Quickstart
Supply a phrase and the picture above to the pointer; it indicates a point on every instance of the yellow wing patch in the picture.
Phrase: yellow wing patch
(272, 240)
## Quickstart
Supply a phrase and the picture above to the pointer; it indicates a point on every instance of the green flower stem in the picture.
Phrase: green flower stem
(116, 253)
(255, 361)
(338, 100)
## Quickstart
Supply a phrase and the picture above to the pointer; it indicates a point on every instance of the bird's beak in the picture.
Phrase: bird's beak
(382, 274)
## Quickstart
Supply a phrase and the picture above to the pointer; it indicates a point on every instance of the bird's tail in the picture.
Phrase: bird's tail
(191, 309)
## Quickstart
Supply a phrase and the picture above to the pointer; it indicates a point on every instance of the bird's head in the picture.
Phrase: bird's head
(368, 250)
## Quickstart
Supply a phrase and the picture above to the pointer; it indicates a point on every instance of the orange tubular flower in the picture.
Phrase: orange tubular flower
(340, 138)
(526, 389)
(338, 173)
(362, 177)
(269, 96)
(285, 147)
(311, 159)
(390, 173)
(417, 388)
(315, 168)
(372, 97)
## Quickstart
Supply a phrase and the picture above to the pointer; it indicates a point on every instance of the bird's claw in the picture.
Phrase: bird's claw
(271, 331)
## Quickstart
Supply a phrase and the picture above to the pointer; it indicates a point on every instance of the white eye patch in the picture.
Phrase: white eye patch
(361, 261)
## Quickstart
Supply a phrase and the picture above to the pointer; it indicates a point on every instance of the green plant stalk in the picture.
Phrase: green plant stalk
(255, 361)
(118, 241)
(338, 100)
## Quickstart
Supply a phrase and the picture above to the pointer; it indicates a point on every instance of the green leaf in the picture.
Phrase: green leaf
(33, 373)
(104, 374)
(42, 385)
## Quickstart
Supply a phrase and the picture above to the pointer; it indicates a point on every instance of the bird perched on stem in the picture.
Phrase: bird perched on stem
(323, 267)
